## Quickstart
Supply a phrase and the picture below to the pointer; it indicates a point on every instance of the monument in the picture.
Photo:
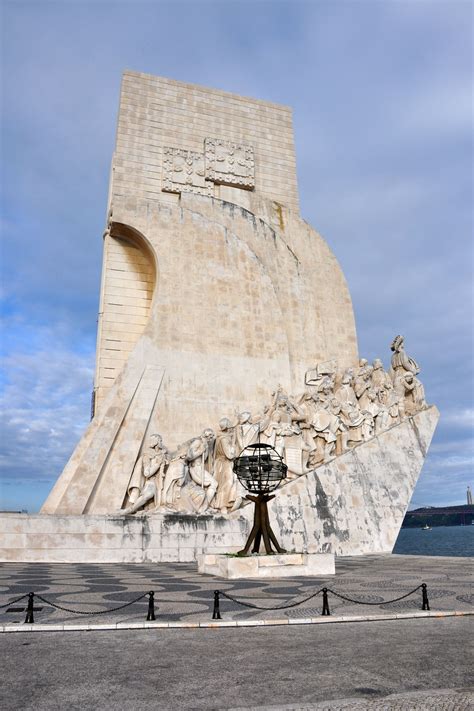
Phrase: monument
(225, 320)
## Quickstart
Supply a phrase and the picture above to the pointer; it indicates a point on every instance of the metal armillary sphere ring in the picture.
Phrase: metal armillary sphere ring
(260, 469)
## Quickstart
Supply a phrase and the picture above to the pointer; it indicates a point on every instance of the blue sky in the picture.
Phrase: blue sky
(382, 100)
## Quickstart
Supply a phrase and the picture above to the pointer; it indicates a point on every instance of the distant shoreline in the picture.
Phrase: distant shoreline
(461, 515)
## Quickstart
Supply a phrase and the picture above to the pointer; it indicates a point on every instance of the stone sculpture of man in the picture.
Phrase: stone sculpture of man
(362, 383)
(353, 420)
(345, 392)
(401, 363)
(199, 461)
(227, 496)
(247, 432)
(376, 410)
(411, 394)
(148, 475)
(379, 378)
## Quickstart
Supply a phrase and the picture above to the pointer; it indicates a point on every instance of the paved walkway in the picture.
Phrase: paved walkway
(338, 666)
(183, 596)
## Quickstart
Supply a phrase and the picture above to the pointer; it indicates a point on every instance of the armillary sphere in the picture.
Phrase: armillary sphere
(260, 469)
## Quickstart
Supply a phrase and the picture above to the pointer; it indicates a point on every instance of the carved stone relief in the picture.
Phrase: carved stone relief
(229, 163)
(183, 171)
(222, 163)
(337, 411)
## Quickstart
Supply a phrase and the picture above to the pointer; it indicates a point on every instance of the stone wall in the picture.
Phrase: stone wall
(157, 113)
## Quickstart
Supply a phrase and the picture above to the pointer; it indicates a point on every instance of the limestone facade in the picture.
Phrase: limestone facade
(158, 114)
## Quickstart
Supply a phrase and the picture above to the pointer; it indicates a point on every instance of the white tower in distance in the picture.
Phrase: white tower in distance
(469, 496)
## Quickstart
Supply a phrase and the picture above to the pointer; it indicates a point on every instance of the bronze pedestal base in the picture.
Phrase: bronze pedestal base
(261, 528)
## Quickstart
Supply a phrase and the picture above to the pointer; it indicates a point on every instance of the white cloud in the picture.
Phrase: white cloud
(44, 408)
(460, 418)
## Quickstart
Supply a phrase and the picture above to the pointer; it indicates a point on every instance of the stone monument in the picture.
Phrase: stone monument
(225, 320)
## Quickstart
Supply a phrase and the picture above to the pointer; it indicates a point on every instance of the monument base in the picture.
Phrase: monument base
(352, 505)
(284, 565)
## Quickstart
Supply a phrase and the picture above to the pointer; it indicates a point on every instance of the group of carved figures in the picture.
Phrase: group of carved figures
(335, 413)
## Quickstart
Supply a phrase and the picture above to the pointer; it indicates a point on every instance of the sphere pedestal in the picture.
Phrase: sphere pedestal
(287, 565)
(261, 528)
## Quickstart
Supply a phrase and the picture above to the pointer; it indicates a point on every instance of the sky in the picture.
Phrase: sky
(381, 92)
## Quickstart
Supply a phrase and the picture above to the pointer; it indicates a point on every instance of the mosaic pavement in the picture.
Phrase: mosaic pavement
(182, 594)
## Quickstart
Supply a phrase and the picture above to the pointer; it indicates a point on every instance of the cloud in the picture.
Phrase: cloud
(45, 406)
(463, 418)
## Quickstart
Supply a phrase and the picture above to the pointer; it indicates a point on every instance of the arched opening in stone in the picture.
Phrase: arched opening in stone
(128, 284)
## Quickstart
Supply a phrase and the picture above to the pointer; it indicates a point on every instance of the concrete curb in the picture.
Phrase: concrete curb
(217, 624)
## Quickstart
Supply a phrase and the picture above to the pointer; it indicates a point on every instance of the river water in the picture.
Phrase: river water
(439, 540)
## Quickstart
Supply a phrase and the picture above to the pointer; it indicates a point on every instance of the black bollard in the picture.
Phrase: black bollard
(325, 602)
(216, 613)
(151, 606)
(29, 619)
(424, 593)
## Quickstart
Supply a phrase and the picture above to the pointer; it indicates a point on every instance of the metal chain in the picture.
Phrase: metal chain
(300, 602)
(12, 602)
(279, 607)
(82, 612)
(383, 602)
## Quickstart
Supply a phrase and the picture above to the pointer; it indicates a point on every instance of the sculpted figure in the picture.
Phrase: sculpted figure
(174, 479)
(325, 425)
(368, 425)
(339, 427)
(377, 411)
(364, 368)
(345, 392)
(147, 479)
(325, 390)
(362, 383)
(199, 460)
(279, 427)
(390, 408)
(411, 394)
(418, 391)
(353, 419)
(286, 407)
(379, 378)
(227, 496)
(401, 362)
(247, 432)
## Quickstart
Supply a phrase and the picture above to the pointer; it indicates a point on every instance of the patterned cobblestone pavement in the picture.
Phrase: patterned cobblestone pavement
(438, 700)
(184, 595)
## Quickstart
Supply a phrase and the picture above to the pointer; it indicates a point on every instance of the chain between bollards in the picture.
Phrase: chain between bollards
(29, 619)
(216, 613)
(424, 594)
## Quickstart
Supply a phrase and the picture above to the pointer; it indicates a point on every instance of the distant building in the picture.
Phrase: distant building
(469, 495)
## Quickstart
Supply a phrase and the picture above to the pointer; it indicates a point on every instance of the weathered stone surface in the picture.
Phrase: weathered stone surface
(237, 286)
(355, 504)
(268, 566)
(352, 505)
